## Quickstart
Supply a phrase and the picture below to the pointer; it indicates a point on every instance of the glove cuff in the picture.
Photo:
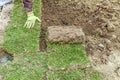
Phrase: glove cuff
(30, 14)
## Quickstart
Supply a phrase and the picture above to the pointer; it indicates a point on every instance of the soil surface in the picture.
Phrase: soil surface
(100, 21)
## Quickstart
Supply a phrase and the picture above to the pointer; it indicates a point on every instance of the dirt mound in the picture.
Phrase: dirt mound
(103, 43)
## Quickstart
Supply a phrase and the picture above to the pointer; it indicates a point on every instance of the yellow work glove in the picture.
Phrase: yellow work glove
(31, 20)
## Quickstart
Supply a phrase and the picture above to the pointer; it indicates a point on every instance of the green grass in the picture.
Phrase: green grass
(29, 64)
(66, 55)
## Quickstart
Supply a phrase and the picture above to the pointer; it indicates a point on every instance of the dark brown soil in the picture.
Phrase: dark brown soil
(5, 53)
(70, 14)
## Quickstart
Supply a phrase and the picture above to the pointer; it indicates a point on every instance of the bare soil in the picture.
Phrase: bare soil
(100, 20)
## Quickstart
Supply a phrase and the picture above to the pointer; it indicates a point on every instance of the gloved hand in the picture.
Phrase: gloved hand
(31, 20)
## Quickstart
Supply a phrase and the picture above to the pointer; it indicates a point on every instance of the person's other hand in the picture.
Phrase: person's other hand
(31, 21)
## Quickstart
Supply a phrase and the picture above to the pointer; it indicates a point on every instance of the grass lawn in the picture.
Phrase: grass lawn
(29, 64)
